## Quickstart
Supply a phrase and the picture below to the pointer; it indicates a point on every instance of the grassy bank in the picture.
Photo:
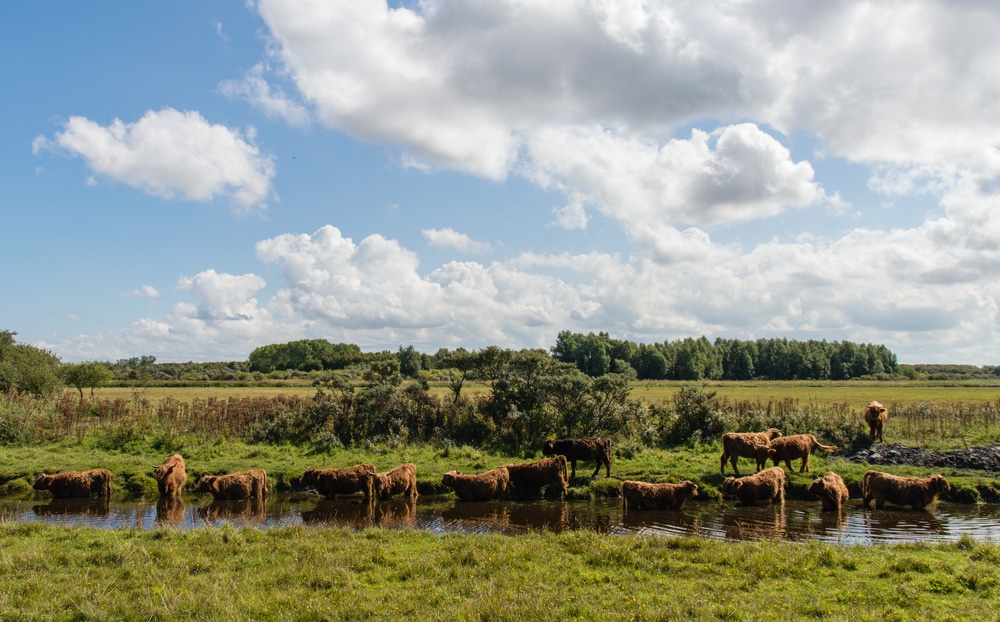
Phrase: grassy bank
(330, 574)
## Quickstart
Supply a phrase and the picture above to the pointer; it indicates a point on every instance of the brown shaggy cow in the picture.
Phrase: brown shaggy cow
(737, 445)
(596, 448)
(402, 479)
(831, 490)
(346, 481)
(170, 476)
(482, 487)
(789, 448)
(763, 453)
(643, 496)
(875, 417)
(768, 485)
(76, 484)
(915, 492)
(235, 486)
(528, 478)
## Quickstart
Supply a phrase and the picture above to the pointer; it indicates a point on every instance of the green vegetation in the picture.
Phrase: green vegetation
(64, 573)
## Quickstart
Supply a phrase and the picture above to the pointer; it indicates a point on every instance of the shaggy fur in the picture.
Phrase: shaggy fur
(76, 484)
(737, 445)
(831, 490)
(763, 453)
(768, 485)
(643, 496)
(347, 481)
(235, 486)
(482, 487)
(916, 492)
(402, 479)
(875, 417)
(528, 478)
(596, 448)
(170, 476)
(789, 448)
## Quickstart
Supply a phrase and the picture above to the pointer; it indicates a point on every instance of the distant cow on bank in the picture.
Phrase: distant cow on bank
(768, 485)
(529, 477)
(737, 445)
(170, 476)
(402, 479)
(482, 487)
(346, 481)
(875, 417)
(788, 448)
(235, 486)
(76, 484)
(644, 496)
(596, 448)
(916, 492)
(831, 490)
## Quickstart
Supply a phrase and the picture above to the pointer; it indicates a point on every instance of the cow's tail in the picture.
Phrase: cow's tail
(826, 448)
(864, 487)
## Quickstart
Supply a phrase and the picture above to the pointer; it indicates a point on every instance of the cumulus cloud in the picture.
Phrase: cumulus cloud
(449, 238)
(170, 154)
(254, 89)
(145, 291)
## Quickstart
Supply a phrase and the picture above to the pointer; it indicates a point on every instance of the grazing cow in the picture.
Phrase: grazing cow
(235, 486)
(170, 476)
(76, 484)
(789, 448)
(768, 485)
(643, 496)
(596, 448)
(831, 490)
(482, 487)
(875, 417)
(737, 445)
(346, 481)
(915, 492)
(528, 477)
(402, 479)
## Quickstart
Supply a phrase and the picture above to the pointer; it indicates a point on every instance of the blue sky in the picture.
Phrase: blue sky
(191, 180)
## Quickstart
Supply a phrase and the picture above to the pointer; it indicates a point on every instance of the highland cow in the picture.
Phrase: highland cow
(170, 476)
(875, 417)
(788, 448)
(76, 484)
(402, 479)
(763, 453)
(916, 492)
(596, 448)
(643, 496)
(737, 445)
(768, 485)
(831, 490)
(528, 478)
(482, 487)
(346, 481)
(235, 486)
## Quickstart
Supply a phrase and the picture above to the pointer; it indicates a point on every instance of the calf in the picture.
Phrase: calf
(768, 485)
(737, 445)
(76, 484)
(346, 481)
(596, 448)
(529, 477)
(916, 492)
(402, 479)
(482, 487)
(875, 417)
(643, 496)
(235, 486)
(170, 476)
(831, 490)
(789, 448)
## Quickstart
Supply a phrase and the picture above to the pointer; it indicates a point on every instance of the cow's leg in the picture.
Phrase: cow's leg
(573, 465)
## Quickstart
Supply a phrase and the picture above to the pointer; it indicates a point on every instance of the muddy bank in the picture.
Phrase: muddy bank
(974, 458)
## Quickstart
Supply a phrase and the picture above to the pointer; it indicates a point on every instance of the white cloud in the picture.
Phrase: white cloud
(145, 291)
(449, 238)
(274, 103)
(171, 154)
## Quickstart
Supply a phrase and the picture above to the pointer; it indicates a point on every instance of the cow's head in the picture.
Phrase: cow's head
(43, 481)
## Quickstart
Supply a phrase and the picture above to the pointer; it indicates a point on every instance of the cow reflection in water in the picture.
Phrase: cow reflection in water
(170, 510)
(671, 520)
(766, 522)
(98, 506)
(902, 521)
(518, 517)
(249, 510)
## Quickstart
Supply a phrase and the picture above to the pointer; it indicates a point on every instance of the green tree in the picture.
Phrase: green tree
(25, 368)
(410, 361)
(90, 374)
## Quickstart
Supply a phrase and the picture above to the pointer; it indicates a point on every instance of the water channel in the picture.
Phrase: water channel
(795, 521)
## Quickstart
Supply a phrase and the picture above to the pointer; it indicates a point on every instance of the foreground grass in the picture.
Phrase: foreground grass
(331, 574)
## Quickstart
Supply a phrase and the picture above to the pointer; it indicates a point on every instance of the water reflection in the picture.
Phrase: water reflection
(796, 520)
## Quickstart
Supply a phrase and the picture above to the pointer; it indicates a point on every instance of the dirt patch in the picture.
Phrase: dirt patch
(974, 458)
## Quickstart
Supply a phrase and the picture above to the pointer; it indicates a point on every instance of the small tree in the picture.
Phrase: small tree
(25, 368)
(91, 374)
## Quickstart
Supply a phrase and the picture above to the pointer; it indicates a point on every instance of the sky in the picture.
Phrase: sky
(192, 180)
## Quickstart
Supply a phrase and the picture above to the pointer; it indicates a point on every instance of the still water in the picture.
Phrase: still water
(796, 521)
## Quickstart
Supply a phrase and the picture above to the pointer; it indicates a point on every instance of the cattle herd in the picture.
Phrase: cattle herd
(767, 485)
